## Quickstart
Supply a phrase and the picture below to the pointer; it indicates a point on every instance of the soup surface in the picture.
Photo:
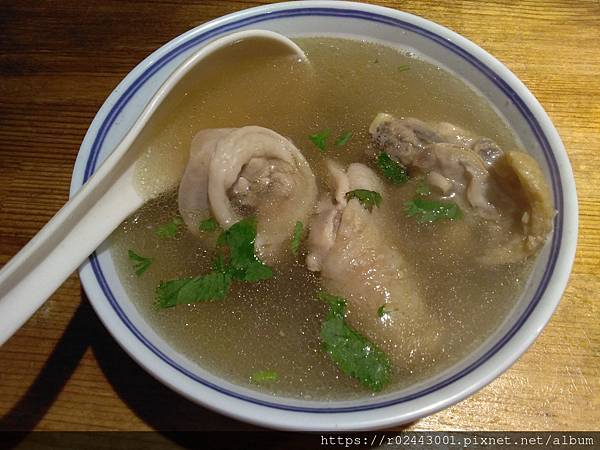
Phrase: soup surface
(274, 325)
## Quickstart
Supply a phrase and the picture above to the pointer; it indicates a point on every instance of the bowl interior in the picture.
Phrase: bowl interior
(484, 74)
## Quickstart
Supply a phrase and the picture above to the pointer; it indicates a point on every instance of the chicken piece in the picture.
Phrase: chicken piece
(244, 171)
(359, 264)
(507, 189)
(340, 182)
(526, 185)
(325, 222)
(402, 138)
(323, 230)
(466, 172)
(452, 134)
(488, 150)
(193, 195)
(444, 150)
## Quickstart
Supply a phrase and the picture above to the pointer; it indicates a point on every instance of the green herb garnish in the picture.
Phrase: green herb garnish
(320, 139)
(353, 353)
(219, 264)
(431, 210)
(140, 263)
(213, 286)
(381, 311)
(236, 260)
(392, 170)
(366, 198)
(208, 225)
(243, 263)
(167, 292)
(422, 188)
(297, 237)
(264, 376)
(343, 139)
(255, 271)
(403, 67)
(169, 229)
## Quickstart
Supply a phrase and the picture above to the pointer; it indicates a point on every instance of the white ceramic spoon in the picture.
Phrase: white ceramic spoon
(109, 196)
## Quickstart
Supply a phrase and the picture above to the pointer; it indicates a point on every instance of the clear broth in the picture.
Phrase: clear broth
(274, 325)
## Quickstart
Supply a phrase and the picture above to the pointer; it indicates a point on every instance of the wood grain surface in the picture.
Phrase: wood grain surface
(59, 60)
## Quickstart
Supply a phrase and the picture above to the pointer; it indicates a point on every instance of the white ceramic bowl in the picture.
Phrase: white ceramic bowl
(440, 45)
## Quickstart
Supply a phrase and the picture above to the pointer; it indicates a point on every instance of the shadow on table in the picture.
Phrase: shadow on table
(158, 406)
(55, 373)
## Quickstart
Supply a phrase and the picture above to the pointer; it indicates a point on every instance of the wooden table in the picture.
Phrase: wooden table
(60, 60)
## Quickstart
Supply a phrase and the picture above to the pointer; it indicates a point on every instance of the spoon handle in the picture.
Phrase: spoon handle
(86, 220)
(28, 279)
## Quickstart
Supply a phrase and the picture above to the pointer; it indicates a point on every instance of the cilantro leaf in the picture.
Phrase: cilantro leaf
(431, 210)
(235, 260)
(264, 376)
(403, 67)
(366, 198)
(343, 139)
(320, 139)
(239, 238)
(209, 225)
(213, 286)
(219, 264)
(297, 237)
(167, 291)
(257, 271)
(381, 311)
(243, 263)
(422, 188)
(169, 229)
(140, 263)
(392, 170)
(353, 353)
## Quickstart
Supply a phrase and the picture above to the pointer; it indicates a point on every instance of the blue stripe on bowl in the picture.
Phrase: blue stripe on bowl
(372, 17)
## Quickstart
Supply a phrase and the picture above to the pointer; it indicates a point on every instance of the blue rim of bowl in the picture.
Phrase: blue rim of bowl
(372, 17)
